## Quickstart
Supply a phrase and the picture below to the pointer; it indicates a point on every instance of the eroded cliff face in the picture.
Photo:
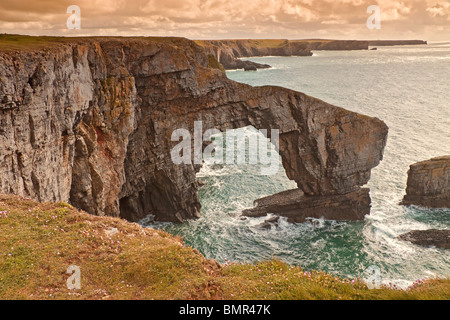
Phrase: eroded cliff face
(89, 121)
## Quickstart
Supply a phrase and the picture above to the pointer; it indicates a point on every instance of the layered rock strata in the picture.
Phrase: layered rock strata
(428, 183)
(89, 121)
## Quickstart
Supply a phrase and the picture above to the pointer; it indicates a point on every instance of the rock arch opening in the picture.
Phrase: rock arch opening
(250, 169)
(108, 149)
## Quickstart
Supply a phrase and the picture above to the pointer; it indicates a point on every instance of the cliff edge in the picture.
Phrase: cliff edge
(119, 260)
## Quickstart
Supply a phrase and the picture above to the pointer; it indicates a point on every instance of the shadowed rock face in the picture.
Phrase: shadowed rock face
(429, 183)
(90, 122)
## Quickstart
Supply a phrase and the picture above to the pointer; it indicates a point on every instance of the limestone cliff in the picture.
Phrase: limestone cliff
(89, 121)
(429, 183)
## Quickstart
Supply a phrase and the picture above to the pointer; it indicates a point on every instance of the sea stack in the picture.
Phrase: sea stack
(429, 183)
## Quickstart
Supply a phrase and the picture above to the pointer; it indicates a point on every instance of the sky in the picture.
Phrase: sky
(231, 19)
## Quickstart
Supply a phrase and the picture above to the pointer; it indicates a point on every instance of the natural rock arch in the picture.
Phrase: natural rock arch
(325, 149)
(90, 120)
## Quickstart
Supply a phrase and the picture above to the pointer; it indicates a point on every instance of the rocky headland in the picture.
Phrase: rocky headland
(381, 43)
(89, 121)
(229, 52)
(428, 183)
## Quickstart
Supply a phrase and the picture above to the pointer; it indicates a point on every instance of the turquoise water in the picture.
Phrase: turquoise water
(408, 88)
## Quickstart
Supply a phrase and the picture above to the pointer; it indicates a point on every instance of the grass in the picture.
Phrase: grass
(20, 42)
(23, 42)
(122, 260)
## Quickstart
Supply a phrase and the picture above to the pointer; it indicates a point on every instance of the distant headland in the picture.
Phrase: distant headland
(229, 52)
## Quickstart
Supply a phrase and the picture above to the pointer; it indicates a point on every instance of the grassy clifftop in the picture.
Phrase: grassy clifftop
(121, 260)
(23, 42)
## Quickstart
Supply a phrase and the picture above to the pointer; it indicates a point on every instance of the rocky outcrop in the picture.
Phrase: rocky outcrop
(337, 45)
(428, 183)
(89, 121)
(427, 238)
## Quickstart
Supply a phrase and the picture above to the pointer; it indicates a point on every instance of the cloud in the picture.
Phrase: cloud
(231, 18)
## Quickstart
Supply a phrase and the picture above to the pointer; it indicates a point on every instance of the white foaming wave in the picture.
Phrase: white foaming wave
(149, 222)
(148, 219)
(224, 170)
(319, 244)
(406, 283)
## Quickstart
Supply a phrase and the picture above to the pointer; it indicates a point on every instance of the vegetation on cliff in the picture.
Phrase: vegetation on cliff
(122, 260)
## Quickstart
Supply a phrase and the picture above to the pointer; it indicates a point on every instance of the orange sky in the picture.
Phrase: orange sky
(220, 19)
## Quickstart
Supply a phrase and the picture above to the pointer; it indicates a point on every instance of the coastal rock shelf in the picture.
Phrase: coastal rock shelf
(428, 183)
(89, 121)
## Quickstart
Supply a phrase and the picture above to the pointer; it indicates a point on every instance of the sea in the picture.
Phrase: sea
(408, 87)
